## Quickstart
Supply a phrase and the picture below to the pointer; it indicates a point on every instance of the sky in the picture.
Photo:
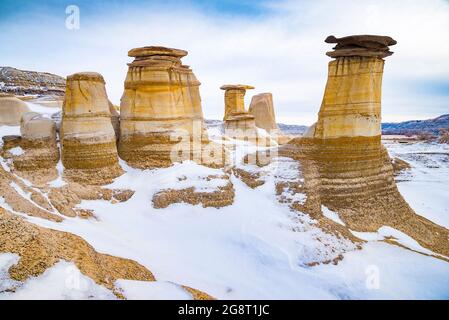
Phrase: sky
(276, 46)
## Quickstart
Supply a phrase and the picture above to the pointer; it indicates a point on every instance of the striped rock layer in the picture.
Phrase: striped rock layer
(41, 150)
(87, 136)
(346, 167)
(239, 123)
(161, 118)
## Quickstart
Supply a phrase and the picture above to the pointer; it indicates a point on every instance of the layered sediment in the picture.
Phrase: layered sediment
(40, 248)
(23, 82)
(345, 166)
(239, 124)
(88, 140)
(40, 149)
(161, 118)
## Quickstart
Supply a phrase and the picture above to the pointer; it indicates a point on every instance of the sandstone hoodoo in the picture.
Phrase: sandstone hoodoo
(351, 103)
(234, 99)
(238, 122)
(262, 109)
(346, 168)
(160, 107)
(11, 110)
(41, 152)
(87, 136)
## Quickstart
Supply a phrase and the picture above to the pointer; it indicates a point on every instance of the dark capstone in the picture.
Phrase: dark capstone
(361, 45)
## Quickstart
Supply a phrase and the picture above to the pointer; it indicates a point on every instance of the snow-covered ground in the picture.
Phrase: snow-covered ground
(426, 185)
(257, 248)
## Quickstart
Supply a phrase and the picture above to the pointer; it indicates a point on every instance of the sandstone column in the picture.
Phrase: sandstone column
(239, 123)
(160, 107)
(262, 109)
(345, 166)
(234, 98)
(88, 140)
(351, 103)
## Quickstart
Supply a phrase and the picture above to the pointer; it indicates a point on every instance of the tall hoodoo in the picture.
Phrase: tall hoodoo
(234, 99)
(352, 100)
(87, 136)
(160, 105)
(346, 167)
(238, 122)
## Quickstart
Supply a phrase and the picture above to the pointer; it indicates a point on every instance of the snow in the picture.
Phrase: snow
(425, 186)
(16, 151)
(383, 271)
(9, 131)
(45, 111)
(155, 290)
(62, 281)
(331, 215)
(403, 239)
(255, 249)
(58, 182)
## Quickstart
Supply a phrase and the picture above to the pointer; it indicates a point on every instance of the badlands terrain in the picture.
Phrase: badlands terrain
(94, 203)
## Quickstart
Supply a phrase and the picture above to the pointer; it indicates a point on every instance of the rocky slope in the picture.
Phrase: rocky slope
(23, 82)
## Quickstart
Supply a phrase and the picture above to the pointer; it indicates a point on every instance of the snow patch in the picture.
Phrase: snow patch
(332, 215)
(152, 290)
(16, 151)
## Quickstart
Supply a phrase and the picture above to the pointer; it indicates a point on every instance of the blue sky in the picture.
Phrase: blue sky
(277, 46)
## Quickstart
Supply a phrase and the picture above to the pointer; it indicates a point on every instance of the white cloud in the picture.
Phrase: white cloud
(282, 51)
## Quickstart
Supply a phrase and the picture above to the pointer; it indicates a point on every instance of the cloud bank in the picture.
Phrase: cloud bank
(277, 48)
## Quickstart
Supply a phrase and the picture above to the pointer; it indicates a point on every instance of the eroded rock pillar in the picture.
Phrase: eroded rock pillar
(239, 123)
(88, 141)
(346, 167)
(160, 107)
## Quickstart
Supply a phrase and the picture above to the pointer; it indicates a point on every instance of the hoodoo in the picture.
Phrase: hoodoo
(345, 166)
(262, 109)
(39, 142)
(238, 122)
(351, 103)
(160, 107)
(87, 136)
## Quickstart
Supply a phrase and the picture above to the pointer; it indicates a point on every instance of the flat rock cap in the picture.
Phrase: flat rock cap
(156, 51)
(236, 86)
(360, 39)
(364, 45)
(89, 76)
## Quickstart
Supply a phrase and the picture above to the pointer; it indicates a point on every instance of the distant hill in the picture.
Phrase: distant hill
(22, 82)
(285, 128)
(432, 126)
(292, 129)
